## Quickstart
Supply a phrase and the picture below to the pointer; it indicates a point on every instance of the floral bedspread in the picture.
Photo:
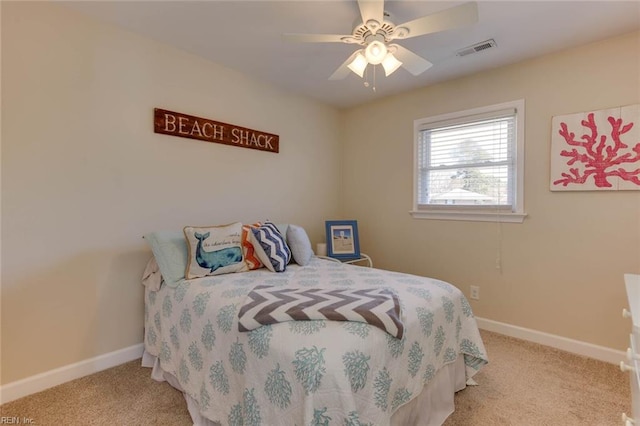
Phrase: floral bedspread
(307, 372)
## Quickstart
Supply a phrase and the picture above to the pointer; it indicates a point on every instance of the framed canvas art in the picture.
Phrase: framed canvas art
(342, 239)
(597, 150)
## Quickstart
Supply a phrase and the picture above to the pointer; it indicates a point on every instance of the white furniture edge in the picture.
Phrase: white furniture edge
(632, 285)
(632, 361)
(48, 379)
(363, 258)
(577, 347)
(30, 385)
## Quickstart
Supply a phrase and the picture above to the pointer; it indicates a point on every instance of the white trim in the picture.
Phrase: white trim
(48, 379)
(469, 216)
(577, 347)
(463, 117)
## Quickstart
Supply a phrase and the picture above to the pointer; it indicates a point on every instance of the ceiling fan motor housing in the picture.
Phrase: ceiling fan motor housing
(365, 33)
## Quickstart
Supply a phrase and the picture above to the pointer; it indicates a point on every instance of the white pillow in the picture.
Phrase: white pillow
(299, 243)
(214, 250)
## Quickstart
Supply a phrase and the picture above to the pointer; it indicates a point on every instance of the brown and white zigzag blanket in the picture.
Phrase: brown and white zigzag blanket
(269, 305)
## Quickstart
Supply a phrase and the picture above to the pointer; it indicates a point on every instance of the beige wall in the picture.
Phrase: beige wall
(84, 176)
(562, 268)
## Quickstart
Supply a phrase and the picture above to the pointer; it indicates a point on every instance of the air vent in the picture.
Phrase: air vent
(478, 47)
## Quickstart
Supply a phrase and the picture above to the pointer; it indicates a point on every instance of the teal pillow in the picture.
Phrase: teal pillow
(170, 250)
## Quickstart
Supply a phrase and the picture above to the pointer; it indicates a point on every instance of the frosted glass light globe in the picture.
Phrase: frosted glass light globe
(375, 52)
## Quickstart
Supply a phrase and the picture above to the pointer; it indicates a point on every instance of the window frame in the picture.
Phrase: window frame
(513, 213)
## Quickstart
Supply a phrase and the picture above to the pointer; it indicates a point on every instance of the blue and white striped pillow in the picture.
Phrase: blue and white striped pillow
(275, 253)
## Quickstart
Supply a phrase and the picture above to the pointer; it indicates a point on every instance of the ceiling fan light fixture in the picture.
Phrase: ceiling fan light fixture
(359, 64)
(375, 31)
(390, 63)
(375, 52)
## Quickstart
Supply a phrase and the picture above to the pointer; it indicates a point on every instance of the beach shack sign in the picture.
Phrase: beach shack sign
(188, 126)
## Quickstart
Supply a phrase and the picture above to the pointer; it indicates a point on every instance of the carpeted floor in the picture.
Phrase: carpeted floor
(524, 384)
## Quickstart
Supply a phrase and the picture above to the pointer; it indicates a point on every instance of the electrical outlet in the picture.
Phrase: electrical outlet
(475, 292)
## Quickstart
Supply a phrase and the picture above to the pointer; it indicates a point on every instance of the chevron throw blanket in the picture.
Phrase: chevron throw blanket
(268, 305)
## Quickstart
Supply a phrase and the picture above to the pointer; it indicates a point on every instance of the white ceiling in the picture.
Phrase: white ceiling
(246, 36)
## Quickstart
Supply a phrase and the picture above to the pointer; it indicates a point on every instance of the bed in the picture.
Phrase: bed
(315, 372)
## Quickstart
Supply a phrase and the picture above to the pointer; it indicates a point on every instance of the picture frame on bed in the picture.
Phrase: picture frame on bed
(342, 239)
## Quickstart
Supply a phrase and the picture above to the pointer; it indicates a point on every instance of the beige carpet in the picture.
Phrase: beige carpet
(524, 384)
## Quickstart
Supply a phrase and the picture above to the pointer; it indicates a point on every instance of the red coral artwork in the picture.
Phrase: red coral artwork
(596, 150)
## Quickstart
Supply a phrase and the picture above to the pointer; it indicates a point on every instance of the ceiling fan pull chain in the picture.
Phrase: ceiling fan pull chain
(374, 78)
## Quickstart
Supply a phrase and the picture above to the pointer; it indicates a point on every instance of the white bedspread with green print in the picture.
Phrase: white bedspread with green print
(307, 372)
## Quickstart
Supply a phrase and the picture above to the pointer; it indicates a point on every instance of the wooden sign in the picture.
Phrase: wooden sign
(188, 126)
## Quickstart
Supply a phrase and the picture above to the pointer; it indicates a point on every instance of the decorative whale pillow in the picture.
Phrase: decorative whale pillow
(214, 250)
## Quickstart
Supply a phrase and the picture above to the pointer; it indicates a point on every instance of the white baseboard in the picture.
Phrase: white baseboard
(48, 379)
(577, 347)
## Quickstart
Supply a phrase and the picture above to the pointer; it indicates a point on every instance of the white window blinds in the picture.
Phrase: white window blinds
(468, 161)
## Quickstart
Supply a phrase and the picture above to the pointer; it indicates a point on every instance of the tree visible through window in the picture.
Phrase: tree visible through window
(470, 160)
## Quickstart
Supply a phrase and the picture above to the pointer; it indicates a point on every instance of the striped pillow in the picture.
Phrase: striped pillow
(271, 247)
(249, 252)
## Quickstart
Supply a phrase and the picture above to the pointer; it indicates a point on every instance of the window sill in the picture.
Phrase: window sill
(469, 216)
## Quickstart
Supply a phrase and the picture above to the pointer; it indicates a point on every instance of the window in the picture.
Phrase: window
(469, 165)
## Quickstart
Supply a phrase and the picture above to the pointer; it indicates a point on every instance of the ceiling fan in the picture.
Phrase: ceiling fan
(376, 34)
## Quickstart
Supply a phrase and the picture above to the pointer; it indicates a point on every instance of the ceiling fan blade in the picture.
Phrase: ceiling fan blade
(410, 61)
(454, 17)
(343, 70)
(316, 38)
(371, 10)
